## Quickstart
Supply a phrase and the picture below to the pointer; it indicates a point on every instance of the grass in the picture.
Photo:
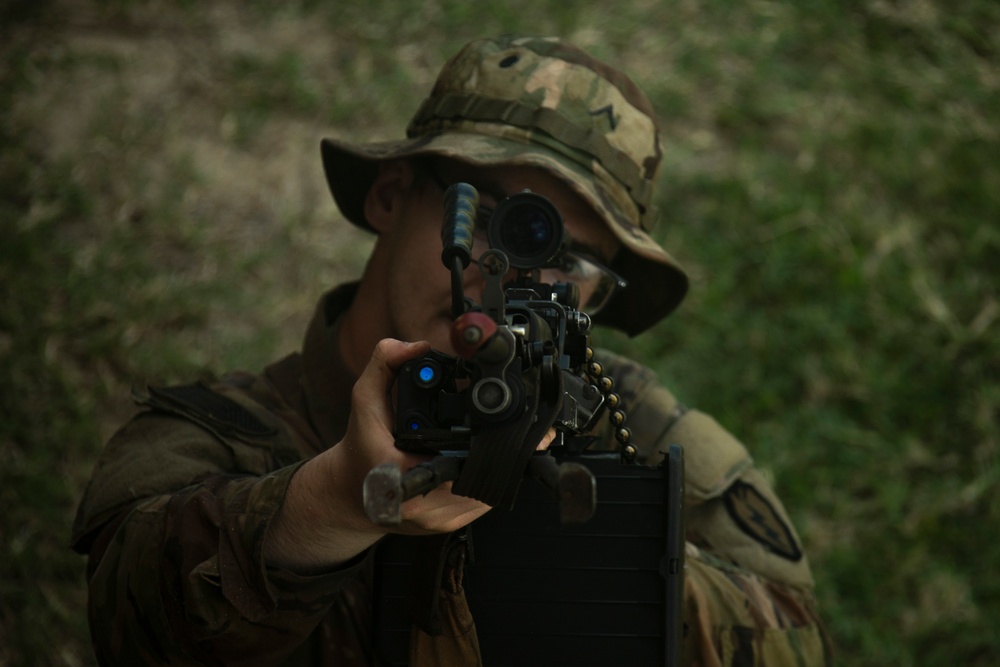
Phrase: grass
(831, 183)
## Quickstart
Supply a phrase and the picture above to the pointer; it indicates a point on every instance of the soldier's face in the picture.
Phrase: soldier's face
(419, 287)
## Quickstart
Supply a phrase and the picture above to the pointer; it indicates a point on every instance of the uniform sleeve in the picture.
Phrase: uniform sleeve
(174, 523)
(749, 596)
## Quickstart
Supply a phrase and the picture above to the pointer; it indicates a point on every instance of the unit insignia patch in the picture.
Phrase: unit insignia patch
(756, 517)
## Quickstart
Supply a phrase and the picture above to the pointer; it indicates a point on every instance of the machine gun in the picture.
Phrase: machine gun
(523, 365)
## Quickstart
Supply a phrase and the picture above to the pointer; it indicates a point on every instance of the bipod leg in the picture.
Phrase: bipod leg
(572, 484)
(386, 487)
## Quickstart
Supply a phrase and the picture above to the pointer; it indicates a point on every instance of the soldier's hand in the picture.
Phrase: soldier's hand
(323, 522)
(369, 442)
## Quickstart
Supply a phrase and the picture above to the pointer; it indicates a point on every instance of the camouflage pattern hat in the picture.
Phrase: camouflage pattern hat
(541, 102)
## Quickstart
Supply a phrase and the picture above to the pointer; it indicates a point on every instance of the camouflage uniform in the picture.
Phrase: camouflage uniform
(176, 515)
(178, 507)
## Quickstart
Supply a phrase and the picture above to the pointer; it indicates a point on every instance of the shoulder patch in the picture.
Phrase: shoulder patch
(756, 517)
(202, 403)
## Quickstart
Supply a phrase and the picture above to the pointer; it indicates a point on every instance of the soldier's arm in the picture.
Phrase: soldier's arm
(174, 523)
(204, 530)
(748, 586)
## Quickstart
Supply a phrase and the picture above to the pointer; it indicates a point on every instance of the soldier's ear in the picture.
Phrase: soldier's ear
(394, 181)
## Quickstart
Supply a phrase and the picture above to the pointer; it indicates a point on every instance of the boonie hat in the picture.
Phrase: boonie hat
(541, 102)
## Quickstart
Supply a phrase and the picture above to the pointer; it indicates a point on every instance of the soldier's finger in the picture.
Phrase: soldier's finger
(546, 440)
(440, 511)
(372, 388)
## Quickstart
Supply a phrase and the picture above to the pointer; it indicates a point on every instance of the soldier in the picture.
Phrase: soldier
(224, 523)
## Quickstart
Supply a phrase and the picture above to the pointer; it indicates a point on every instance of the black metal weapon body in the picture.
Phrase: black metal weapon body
(520, 368)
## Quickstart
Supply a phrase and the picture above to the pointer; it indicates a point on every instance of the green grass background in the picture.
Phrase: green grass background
(832, 183)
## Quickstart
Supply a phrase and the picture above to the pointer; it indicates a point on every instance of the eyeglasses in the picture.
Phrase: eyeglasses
(597, 283)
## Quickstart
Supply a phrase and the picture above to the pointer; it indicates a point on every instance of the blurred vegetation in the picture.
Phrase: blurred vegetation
(832, 183)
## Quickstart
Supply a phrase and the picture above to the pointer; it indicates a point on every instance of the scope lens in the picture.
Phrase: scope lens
(528, 231)
(527, 228)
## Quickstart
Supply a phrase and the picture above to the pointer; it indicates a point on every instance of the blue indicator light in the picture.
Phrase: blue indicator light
(414, 425)
(426, 373)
